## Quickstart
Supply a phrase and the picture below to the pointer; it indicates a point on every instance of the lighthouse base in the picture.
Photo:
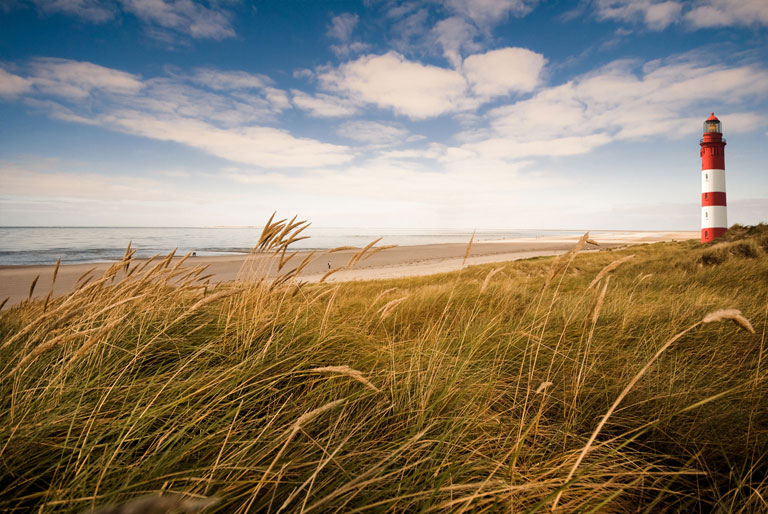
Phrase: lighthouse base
(709, 234)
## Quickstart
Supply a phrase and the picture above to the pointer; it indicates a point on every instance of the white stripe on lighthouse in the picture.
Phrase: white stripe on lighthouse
(714, 216)
(713, 181)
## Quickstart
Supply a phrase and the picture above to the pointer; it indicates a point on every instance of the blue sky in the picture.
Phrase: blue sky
(455, 114)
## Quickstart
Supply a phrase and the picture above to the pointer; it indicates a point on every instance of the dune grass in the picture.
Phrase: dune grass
(598, 382)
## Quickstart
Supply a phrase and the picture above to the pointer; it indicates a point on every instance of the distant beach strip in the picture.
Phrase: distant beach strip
(402, 261)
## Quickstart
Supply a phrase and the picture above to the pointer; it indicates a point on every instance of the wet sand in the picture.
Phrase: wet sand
(403, 261)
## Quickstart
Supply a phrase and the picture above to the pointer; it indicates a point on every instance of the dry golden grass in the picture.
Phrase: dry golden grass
(514, 388)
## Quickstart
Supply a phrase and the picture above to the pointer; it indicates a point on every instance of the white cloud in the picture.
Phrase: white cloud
(322, 105)
(659, 14)
(661, 100)
(504, 71)
(455, 34)
(346, 49)
(341, 29)
(467, 28)
(277, 97)
(409, 31)
(223, 122)
(173, 97)
(229, 80)
(238, 95)
(237, 98)
(78, 79)
(375, 133)
(184, 16)
(548, 115)
(656, 14)
(59, 112)
(420, 91)
(13, 85)
(743, 122)
(486, 12)
(391, 81)
(303, 73)
(341, 26)
(95, 11)
(723, 13)
(260, 146)
(205, 20)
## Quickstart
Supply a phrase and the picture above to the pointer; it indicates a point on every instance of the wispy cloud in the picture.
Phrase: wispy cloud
(77, 79)
(260, 146)
(201, 20)
(455, 35)
(322, 105)
(341, 26)
(656, 14)
(376, 133)
(458, 27)
(223, 118)
(486, 13)
(96, 11)
(724, 13)
(660, 14)
(13, 85)
(624, 100)
(341, 29)
(227, 113)
(185, 16)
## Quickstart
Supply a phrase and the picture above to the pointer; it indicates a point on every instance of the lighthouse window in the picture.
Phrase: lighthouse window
(713, 126)
(706, 195)
(706, 215)
(706, 176)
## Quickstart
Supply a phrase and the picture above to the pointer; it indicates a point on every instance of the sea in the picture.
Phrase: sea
(45, 245)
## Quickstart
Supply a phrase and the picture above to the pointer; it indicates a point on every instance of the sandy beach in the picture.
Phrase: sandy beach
(403, 261)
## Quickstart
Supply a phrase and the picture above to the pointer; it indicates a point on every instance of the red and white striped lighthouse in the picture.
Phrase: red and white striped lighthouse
(714, 220)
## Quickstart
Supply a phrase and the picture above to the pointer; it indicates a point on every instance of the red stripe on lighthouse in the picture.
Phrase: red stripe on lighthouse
(708, 234)
(714, 198)
(712, 156)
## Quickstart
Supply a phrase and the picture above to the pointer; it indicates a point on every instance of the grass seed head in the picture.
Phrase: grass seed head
(734, 315)
(610, 267)
(350, 372)
(159, 504)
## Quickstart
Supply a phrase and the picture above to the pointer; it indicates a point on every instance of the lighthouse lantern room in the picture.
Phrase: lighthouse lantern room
(714, 221)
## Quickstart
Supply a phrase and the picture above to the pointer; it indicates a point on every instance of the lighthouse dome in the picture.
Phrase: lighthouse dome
(712, 124)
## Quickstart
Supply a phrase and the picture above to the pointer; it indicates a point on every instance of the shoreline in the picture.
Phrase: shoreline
(401, 261)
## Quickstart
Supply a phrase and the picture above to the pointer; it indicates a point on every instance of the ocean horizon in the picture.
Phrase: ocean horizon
(45, 245)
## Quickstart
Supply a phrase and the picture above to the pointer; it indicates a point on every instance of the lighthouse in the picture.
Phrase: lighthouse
(714, 220)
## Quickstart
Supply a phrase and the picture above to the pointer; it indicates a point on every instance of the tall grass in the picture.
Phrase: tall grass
(587, 383)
